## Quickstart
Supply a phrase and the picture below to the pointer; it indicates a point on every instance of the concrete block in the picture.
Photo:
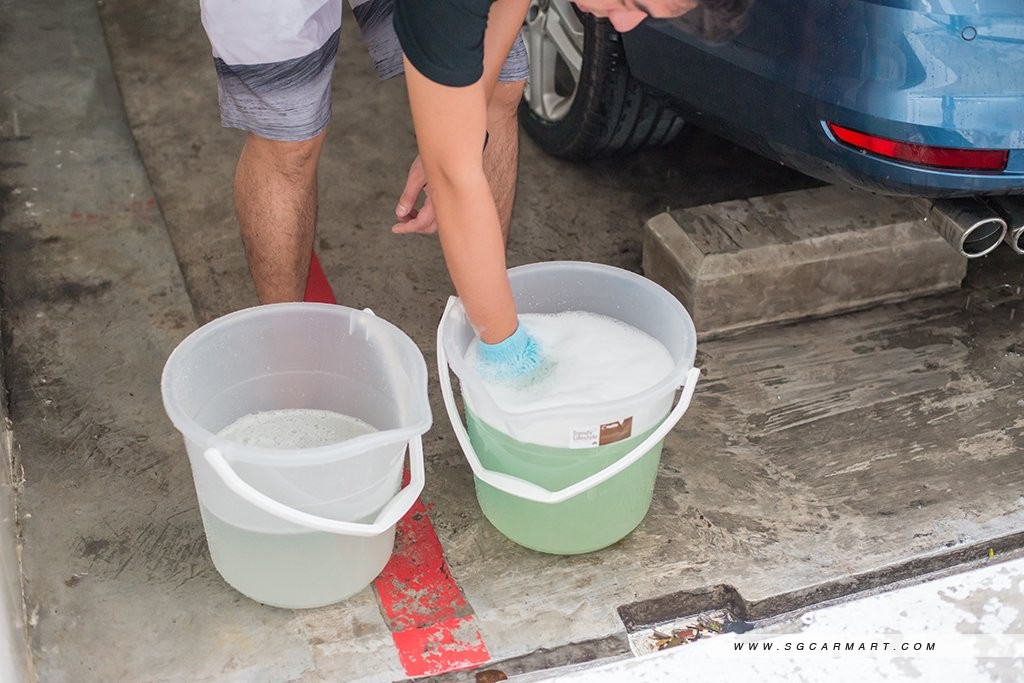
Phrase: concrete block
(742, 264)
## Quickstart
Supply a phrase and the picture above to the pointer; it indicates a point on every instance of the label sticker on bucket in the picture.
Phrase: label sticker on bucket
(601, 435)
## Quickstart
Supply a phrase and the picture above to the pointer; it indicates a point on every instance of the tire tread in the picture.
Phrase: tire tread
(613, 114)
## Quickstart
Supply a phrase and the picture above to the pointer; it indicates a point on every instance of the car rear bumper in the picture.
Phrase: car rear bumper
(887, 71)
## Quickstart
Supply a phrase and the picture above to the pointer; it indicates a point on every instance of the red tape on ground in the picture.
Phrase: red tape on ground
(416, 589)
(448, 646)
(318, 289)
(431, 623)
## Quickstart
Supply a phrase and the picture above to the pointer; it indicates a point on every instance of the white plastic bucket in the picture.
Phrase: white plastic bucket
(300, 527)
(549, 479)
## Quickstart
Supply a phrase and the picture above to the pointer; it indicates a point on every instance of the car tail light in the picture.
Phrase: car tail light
(925, 155)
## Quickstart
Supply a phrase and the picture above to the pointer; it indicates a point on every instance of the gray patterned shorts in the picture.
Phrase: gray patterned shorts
(274, 60)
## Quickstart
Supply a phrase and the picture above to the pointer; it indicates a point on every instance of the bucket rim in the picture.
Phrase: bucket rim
(668, 385)
(257, 455)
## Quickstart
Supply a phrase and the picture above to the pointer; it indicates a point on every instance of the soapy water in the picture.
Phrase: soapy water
(294, 570)
(297, 569)
(588, 358)
(293, 428)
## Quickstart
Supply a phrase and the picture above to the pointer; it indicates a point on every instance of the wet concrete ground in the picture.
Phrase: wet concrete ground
(818, 459)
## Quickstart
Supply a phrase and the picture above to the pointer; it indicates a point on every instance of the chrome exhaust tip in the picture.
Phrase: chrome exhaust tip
(970, 225)
(1016, 240)
(1011, 209)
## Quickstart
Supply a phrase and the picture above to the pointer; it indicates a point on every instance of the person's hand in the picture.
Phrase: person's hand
(411, 220)
(515, 358)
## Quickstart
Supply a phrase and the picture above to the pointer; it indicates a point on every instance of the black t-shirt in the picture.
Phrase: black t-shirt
(444, 39)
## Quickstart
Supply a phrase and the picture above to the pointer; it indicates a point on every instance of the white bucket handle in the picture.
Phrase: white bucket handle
(388, 516)
(528, 490)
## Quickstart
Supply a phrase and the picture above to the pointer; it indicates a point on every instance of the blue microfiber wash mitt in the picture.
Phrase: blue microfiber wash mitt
(514, 358)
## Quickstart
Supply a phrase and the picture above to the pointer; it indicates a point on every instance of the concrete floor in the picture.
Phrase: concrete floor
(818, 459)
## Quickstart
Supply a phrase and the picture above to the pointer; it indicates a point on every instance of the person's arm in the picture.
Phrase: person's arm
(503, 24)
(450, 124)
(462, 44)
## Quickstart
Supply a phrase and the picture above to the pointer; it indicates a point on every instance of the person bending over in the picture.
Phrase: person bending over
(453, 51)
(274, 61)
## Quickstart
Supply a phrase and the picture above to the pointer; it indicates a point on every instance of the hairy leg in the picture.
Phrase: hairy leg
(500, 163)
(276, 202)
(501, 156)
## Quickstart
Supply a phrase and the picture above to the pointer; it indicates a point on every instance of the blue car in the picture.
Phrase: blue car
(901, 97)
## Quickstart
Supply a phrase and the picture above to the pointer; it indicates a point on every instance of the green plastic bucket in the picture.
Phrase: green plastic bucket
(579, 478)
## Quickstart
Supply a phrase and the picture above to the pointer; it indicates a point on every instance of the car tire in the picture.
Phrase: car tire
(581, 102)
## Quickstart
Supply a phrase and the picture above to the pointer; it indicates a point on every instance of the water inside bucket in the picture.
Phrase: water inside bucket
(587, 522)
(298, 570)
(589, 359)
(304, 568)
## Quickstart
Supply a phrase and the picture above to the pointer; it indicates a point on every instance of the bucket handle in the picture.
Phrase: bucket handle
(388, 516)
(527, 490)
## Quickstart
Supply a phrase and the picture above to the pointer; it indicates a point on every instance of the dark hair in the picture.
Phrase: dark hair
(715, 21)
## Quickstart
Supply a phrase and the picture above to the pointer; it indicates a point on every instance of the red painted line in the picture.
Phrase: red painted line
(416, 588)
(431, 623)
(318, 289)
(447, 646)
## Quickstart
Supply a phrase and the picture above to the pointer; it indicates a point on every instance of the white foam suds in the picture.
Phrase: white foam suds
(294, 428)
(588, 359)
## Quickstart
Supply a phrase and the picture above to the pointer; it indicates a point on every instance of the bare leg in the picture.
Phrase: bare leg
(275, 202)
(501, 156)
(500, 164)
